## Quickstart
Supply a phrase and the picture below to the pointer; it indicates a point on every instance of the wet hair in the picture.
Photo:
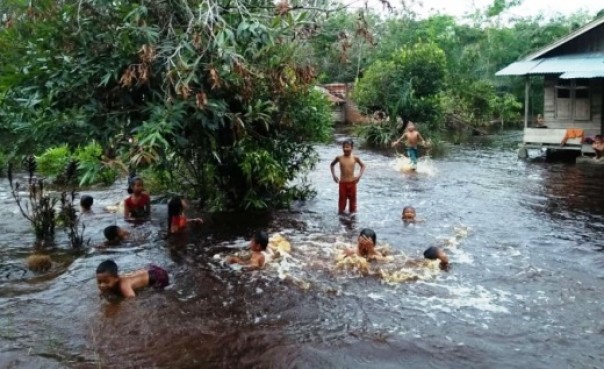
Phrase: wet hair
(369, 233)
(175, 208)
(107, 266)
(348, 142)
(408, 208)
(261, 238)
(131, 181)
(112, 233)
(86, 201)
(431, 253)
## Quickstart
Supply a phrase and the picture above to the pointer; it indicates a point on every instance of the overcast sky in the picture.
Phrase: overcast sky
(528, 7)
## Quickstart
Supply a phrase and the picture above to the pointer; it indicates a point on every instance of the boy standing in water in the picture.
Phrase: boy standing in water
(413, 138)
(347, 181)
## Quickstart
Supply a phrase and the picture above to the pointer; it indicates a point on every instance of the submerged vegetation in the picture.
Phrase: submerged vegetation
(40, 207)
(215, 99)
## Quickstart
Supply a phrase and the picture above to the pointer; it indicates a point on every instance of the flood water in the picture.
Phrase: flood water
(525, 288)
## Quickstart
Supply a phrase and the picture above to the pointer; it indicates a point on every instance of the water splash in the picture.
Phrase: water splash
(424, 165)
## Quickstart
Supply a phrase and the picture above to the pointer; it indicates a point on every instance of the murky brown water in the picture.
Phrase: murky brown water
(524, 291)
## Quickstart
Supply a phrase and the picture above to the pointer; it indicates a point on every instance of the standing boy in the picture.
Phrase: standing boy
(347, 181)
(413, 138)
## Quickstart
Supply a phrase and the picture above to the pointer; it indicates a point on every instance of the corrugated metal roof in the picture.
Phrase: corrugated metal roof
(584, 63)
(518, 68)
(573, 75)
(570, 63)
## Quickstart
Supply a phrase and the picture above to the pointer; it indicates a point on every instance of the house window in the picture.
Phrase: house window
(573, 100)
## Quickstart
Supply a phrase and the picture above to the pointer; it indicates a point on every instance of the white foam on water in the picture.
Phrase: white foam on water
(424, 165)
(311, 263)
(475, 297)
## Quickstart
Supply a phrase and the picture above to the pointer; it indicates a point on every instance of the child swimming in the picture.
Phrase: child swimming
(260, 254)
(86, 202)
(177, 221)
(138, 205)
(366, 246)
(111, 283)
(434, 253)
(115, 234)
(408, 214)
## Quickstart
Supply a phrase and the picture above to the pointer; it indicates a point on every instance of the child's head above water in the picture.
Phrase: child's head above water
(433, 253)
(86, 202)
(135, 185)
(107, 277)
(259, 241)
(115, 234)
(366, 243)
(408, 213)
(176, 206)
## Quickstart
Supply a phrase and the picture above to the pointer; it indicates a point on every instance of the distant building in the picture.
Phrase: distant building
(345, 111)
(573, 72)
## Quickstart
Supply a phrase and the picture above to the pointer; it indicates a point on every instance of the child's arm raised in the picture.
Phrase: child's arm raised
(333, 173)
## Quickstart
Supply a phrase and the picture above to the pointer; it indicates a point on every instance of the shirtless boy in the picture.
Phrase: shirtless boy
(412, 138)
(347, 181)
(261, 255)
(111, 283)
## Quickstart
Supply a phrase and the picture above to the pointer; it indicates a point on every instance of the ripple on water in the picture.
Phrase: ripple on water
(524, 288)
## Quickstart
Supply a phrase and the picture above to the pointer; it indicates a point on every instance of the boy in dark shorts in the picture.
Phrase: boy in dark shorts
(110, 282)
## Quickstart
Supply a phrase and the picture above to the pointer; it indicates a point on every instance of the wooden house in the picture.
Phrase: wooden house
(338, 105)
(573, 72)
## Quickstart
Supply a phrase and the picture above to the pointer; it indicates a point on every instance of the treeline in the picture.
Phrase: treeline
(216, 98)
(425, 69)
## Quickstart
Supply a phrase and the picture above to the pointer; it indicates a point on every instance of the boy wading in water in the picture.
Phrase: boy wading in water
(413, 138)
(347, 181)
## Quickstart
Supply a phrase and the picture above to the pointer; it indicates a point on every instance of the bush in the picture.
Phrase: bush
(91, 169)
(53, 161)
(378, 135)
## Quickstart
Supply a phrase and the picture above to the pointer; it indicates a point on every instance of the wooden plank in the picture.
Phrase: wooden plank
(547, 136)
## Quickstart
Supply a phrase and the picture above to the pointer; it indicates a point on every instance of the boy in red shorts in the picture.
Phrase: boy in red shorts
(347, 181)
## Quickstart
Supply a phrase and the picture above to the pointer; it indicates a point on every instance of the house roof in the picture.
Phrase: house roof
(588, 65)
(332, 98)
(571, 36)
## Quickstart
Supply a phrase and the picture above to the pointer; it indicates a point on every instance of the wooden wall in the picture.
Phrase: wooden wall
(589, 42)
(592, 126)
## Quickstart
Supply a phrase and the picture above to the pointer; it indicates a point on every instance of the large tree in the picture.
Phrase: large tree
(212, 90)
